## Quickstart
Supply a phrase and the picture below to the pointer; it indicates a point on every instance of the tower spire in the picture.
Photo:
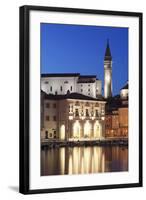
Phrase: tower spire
(108, 52)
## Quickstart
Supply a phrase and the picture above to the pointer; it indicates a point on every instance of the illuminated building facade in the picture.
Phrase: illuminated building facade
(116, 118)
(66, 83)
(72, 117)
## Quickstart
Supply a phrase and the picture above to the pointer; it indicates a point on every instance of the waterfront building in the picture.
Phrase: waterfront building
(116, 118)
(72, 117)
(72, 106)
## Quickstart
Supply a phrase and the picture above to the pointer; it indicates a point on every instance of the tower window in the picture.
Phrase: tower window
(60, 88)
(71, 88)
(81, 90)
(51, 88)
(89, 90)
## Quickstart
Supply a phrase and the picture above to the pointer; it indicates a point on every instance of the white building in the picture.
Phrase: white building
(71, 83)
(124, 92)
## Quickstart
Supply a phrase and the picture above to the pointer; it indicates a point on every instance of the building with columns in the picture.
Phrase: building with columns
(72, 117)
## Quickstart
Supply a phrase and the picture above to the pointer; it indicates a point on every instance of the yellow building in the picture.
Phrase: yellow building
(73, 117)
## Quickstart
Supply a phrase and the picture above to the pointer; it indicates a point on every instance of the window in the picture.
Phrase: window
(65, 82)
(47, 118)
(47, 105)
(81, 90)
(76, 113)
(87, 113)
(54, 118)
(60, 88)
(89, 94)
(51, 88)
(89, 90)
(71, 88)
(96, 113)
(46, 82)
(89, 85)
(54, 105)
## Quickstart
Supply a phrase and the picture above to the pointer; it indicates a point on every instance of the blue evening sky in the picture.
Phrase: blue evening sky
(81, 49)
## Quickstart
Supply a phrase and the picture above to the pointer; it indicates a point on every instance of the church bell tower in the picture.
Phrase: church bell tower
(107, 72)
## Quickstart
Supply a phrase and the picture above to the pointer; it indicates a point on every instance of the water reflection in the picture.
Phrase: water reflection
(83, 160)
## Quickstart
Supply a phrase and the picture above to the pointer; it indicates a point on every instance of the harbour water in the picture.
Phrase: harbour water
(83, 160)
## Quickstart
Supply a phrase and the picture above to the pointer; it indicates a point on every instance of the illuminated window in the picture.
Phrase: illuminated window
(76, 130)
(62, 132)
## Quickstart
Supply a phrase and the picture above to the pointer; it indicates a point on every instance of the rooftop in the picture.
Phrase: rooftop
(71, 96)
(60, 75)
(125, 86)
(81, 77)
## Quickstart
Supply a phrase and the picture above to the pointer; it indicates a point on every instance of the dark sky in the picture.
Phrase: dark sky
(81, 49)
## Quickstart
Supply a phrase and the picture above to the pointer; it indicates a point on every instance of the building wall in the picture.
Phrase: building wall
(117, 123)
(123, 121)
(52, 85)
(50, 118)
(62, 85)
(124, 93)
(75, 119)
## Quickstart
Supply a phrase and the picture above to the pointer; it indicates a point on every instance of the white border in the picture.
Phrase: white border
(45, 182)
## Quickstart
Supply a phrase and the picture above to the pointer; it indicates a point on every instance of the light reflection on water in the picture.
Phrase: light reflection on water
(83, 160)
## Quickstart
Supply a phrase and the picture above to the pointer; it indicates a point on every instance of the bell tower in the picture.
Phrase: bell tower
(107, 72)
